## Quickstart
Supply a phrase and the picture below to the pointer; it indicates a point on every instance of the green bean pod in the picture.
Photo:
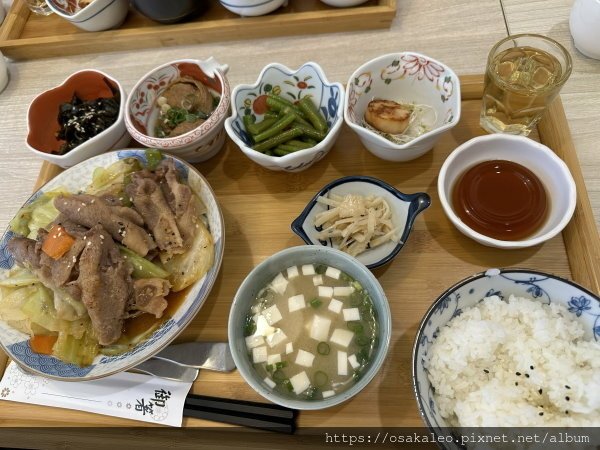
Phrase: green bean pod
(279, 103)
(259, 127)
(248, 122)
(275, 129)
(299, 144)
(310, 132)
(313, 114)
(278, 139)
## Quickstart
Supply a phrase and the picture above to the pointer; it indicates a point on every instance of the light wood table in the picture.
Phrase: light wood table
(457, 32)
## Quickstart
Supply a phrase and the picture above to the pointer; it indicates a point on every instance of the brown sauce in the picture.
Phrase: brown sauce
(138, 325)
(501, 199)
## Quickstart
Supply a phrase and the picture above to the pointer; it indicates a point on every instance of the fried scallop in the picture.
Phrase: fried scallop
(388, 116)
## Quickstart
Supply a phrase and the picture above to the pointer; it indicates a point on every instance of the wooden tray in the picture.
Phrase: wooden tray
(28, 36)
(259, 205)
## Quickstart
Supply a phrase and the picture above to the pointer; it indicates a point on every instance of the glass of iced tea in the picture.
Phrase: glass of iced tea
(524, 74)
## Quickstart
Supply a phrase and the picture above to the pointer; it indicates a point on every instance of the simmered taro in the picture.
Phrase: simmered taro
(81, 120)
(184, 105)
(311, 332)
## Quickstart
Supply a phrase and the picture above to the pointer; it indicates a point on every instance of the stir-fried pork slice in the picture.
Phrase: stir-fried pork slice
(149, 295)
(181, 200)
(105, 280)
(150, 202)
(89, 211)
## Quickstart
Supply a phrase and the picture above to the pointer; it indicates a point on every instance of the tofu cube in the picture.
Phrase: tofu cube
(276, 338)
(335, 306)
(319, 328)
(351, 314)
(327, 394)
(272, 315)
(342, 363)
(289, 348)
(296, 303)
(325, 291)
(343, 291)
(308, 269)
(262, 326)
(254, 341)
(332, 272)
(304, 358)
(259, 354)
(318, 280)
(300, 382)
(342, 337)
(271, 383)
(353, 361)
(279, 284)
(292, 272)
(275, 358)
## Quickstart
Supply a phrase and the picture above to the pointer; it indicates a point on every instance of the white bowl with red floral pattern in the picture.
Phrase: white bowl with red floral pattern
(404, 77)
(292, 85)
(202, 142)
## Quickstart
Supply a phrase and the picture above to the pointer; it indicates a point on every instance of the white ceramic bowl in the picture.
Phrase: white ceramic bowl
(343, 3)
(543, 287)
(543, 162)
(404, 77)
(42, 119)
(202, 142)
(292, 85)
(16, 343)
(252, 7)
(97, 16)
(261, 275)
(405, 209)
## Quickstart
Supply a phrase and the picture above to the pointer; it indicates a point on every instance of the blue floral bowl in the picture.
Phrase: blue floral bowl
(308, 80)
(543, 287)
(405, 209)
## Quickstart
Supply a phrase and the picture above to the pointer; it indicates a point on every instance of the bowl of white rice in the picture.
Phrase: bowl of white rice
(509, 348)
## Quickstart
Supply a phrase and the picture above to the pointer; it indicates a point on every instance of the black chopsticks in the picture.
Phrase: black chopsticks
(265, 416)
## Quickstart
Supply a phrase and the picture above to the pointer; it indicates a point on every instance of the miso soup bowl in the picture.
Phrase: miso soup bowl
(263, 274)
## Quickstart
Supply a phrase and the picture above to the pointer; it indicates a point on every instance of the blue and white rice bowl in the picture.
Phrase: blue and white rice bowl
(291, 85)
(252, 8)
(537, 286)
(16, 344)
(405, 209)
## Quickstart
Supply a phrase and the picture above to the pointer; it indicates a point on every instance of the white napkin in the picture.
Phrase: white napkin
(128, 395)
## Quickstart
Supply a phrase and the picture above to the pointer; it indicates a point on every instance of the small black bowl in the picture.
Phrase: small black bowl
(170, 11)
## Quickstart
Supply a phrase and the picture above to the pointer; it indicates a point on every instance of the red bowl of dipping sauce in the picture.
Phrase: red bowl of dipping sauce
(506, 191)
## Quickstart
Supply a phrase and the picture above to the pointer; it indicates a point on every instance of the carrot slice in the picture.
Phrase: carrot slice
(57, 242)
(43, 343)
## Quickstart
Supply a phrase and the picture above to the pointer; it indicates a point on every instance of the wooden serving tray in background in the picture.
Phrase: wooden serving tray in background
(25, 35)
(258, 206)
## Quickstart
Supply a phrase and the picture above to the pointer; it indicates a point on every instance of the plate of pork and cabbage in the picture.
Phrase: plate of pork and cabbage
(107, 263)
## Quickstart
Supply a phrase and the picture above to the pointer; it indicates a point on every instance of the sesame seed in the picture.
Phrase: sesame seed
(102, 236)
(78, 209)
(568, 387)
(541, 414)
(486, 371)
(531, 367)
(566, 412)
(518, 374)
(567, 398)
(526, 375)
(540, 391)
(516, 383)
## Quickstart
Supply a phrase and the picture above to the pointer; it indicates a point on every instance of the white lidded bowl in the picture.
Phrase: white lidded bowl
(252, 7)
(582, 305)
(197, 145)
(42, 119)
(543, 162)
(404, 77)
(292, 85)
(97, 16)
(16, 344)
(263, 274)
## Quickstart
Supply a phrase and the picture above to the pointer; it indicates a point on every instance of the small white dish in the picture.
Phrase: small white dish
(404, 77)
(543, 162)
(97, 16)
(251, 8)
(405, 209)
(309, 79)
(584, 24)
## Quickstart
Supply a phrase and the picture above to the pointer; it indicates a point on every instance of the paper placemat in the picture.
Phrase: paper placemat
(127, 395)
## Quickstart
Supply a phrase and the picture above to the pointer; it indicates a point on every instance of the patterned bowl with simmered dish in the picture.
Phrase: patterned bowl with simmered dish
(181, 307)
(197, 144)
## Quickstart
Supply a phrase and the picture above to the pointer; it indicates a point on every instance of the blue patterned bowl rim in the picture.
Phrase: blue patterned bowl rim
(419, 202)
(435, 305)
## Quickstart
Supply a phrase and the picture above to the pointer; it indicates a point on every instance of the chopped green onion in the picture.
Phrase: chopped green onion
(321, 269)
(355, 327)
(315, 303)
(356, 285)
(362, 340)
(281, 364)
(311, 393)
(153, 158)
(323, 348)
(320, 378)
(279, 376)
(288, 385)
(269, 367)
(249, 326)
